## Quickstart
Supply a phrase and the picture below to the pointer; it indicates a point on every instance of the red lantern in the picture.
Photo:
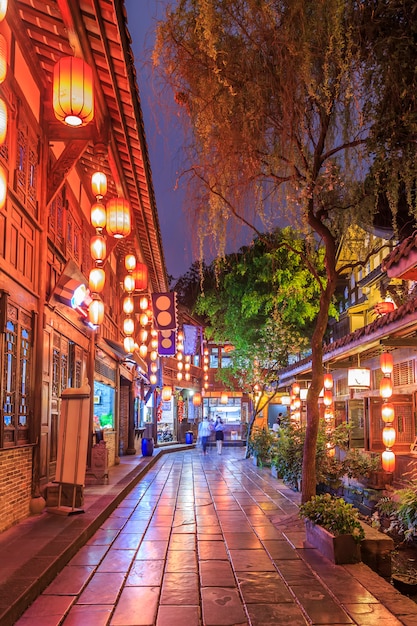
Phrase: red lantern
(96, 280)
(128, 326)
(140, 275)
(118, 218)
(197, 399)
(73, 94)
(388, 461)
(99, 184)
(129, 345)
(327, 397)
(3, 9)
(328, 381)
(387, 412)
(98, 215)
(96, 312)
(3, 186)
(128, 305)
(385, 387)
(296, 389)
(166, 393)
(387, 363)
(143, 350)
(130, 262)
(3, 58)
(3, 121)
(388, 436)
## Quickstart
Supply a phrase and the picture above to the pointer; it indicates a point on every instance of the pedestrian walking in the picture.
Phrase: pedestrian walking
(204, 433)
(219, 434)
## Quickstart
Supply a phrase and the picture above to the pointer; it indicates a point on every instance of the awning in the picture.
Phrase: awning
(121, 353)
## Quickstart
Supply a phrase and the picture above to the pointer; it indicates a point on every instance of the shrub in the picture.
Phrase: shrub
(333, 514)
(260, 443)
(359, 465)
(400, 508)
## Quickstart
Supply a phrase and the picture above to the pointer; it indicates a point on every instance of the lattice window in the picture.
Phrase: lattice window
(403, 373)
(26, 164)
(56, 221)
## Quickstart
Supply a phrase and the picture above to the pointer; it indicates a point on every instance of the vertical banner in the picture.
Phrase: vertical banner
(166, 342)
(190, 338)
(164, 306)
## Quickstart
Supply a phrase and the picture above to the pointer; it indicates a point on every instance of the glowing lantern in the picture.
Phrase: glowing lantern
(3, 9)
(387, 412)
(387, 363)
(129, 283)
(143, 303)
(98, 248)
(143, 350)
(153, 379)
(143, 319)
(118, 218)
(359, 377)
(327, 397)
(99, 185)
(129, 345)
(388, 436)
(3, 121)
(130, 262)
(96, 280)
(179, 375)
(328, 381)
(3, 58)
(180, 366)
(385, 387)
(197, 399)
(98, 215)
(143, 335)
(3, 186)
(297, 404)
(166, 393)
(128, 305)
(224, 398)
(153, 355)
(388, 461)
(154, 368)
(96, 312)
(73, 94)
(296, 389)
(141, 277)
(187, 376)
(154, 344)
(128, 326)
(206, 385)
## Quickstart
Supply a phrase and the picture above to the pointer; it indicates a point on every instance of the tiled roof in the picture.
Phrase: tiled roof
(401, 251)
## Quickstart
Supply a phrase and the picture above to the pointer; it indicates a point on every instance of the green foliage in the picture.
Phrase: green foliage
(259, 445)
(334, 514)
(358, 464)
(401, 509)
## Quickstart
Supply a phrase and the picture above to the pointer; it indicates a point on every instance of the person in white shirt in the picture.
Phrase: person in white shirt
(276, 425)
(204, 432)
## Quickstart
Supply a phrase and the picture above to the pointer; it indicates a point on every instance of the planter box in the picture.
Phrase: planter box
(341, 550)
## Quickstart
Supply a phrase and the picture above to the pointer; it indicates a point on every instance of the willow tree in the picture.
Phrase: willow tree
(272, 95)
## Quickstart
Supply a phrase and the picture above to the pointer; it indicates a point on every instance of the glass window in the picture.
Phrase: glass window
(226, 360)
(103, 406)
(214, 358)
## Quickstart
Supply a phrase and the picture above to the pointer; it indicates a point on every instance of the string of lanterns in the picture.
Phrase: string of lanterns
(387, 412)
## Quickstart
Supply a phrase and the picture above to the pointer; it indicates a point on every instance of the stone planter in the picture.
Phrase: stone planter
(341, 550)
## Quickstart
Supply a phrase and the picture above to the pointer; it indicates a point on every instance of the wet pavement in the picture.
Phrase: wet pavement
(190, 540)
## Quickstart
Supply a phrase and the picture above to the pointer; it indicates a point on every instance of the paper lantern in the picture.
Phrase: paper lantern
(3, 59)
(128, 305)
(153, 379)
(73, 93)
(166, 393)
(295, 389)
(3, 9)
(153, 355)
(327, 397)
(129, 283)
(388, 461)
(388, 436)
(130, 262)
(385, 387)
(224, 399)
(386, 362)
(143, 335)
(180, 365)
(328, 381)
(129, 345)
(143, 303)
(3, 121)
(143, 350)
(359, 377)
(96, 312)
(187, 376)
(179, 375)
(99, 185)
(154, 368)
(141, 277)
(118, 218)
(3, 186)
(98, 215)
(96, 279)
(143, 319)
(387, 412)
(128, 326)
(197, 399)
(98, 248)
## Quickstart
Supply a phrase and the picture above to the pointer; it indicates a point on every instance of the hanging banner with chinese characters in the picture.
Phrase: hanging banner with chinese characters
(190, 338)
(166, 342)
(164, 306)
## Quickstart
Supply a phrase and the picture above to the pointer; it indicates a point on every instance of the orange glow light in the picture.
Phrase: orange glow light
(99, 185)
(73, 94)
(386, 362)
(98, 215)
(141, 277)
(96, 312)
(385, 387)
(387, 412)
(3, 121)
(98, 248)
(96, 280)
(388, 461)
(118, 218)
(3, 58)
(388, 436)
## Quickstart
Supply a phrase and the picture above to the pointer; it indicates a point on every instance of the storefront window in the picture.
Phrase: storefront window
(166, 424)
(103, 406)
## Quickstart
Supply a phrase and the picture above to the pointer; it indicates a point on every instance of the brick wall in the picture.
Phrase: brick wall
(15, 485)
(124, 419)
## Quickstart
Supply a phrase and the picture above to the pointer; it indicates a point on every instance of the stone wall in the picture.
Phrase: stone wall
(15, 485)
(110, 439)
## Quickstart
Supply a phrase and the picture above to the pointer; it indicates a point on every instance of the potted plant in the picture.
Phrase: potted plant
(259, 446)
(333, 527)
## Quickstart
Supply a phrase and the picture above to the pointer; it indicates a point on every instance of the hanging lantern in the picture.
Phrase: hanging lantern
(143, 335)
(154, 344)
(128, 326)
(98, 248)
(180, 366)
(224, 399)
(154, 368)
(129, 283)
(386, 362)
(328, 381)
(143, 319)
(153, 379)
(143, 303)
(187, 367)
(141, 277)
(297, 404)
(98, 215)
(129, 345)
(96, 312)
(73, 94)
(197, 399)
(166, 393)
(285, 400)
(359, 377)
(130, 262)
(118, 218)
(388, 436)
(187, 376)
(3, 187)
(3, 9)
(387, 412)
(327, 397)
(179, 375)
(143, 350)
(128, 305)
(388, 461)
(3, 58)
(99, 185)
(96, 280)
(295, 389)
(385, 387)
(3, 121)
(153, 355)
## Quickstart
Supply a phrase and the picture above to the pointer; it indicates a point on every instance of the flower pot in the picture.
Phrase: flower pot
(147, 446)
(341, 549)
(406, 585)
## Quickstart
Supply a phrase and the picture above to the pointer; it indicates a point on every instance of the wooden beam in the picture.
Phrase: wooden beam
(68, 159)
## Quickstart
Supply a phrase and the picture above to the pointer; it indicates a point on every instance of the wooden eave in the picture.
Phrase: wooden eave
(97, 30)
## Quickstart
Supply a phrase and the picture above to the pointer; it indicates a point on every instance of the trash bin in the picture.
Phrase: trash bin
(189, 437)
(147, 446)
